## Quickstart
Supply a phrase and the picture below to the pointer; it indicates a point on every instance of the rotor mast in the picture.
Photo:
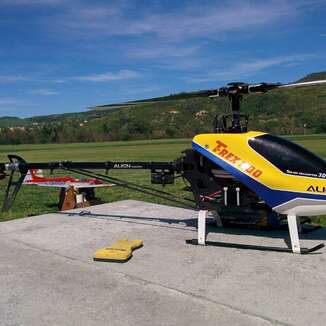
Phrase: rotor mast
(235, 91)
(235, 97)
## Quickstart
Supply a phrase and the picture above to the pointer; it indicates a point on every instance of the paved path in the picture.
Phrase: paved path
(48, 277)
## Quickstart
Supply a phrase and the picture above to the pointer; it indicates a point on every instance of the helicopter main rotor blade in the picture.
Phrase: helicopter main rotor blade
(309, 83)
(263, 87)
(226, 91)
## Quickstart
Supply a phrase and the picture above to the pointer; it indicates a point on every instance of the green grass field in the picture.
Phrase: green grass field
(36, 200)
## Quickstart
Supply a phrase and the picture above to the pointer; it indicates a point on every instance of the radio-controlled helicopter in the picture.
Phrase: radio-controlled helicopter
(245, 177)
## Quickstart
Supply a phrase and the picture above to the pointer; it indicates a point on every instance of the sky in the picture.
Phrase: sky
(68, 55)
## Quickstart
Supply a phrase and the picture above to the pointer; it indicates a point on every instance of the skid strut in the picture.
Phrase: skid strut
(294, 229)
(294, 233)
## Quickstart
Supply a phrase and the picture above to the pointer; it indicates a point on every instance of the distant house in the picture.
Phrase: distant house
(200, 114)
(17, 128)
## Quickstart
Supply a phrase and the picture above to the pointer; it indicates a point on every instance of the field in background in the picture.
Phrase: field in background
(37, 200)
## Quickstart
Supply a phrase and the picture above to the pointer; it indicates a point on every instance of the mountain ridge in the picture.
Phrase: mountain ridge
(313, 76)
(282, 111)
(12, 121)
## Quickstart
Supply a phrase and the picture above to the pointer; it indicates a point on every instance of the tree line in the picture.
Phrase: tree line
(283, 112)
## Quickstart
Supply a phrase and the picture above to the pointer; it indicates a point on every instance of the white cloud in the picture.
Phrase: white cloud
(8, 101)
(194, 21)
(29, 2)
(109, 76)
(162, 50)
(171, 34)
(247, 68)
(57, 81)
(7, 104)
(43, 92)
(30, 78)
(12, 78)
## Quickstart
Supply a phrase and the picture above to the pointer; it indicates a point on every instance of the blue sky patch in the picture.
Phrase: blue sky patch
(66, 55)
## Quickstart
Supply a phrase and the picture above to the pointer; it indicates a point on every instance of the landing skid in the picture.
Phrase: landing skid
(294, 229)
(253, 247)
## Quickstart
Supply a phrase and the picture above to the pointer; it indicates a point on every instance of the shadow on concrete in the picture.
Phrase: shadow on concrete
(191, 224)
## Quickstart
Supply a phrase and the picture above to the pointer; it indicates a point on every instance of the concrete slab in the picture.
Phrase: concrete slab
(47, 275)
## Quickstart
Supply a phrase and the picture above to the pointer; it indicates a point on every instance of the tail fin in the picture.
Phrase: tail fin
(33, 175)
(28, 177)
(37, 173)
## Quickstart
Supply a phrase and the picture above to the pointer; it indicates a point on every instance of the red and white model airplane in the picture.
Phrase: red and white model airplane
(35, 177)
(74, 192)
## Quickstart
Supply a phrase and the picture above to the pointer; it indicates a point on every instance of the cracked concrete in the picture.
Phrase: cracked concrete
(47, 275)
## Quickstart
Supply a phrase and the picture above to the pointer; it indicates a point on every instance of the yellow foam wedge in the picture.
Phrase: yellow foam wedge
(125, 243)
(135, 244)
(122, 244)
(109, 254)
(119, 252)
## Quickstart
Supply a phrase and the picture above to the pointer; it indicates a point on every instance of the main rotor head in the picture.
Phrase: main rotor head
(235, 91)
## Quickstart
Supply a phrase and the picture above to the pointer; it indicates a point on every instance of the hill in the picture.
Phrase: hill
(313, 76)
(187, 95)
(7, 122)
(283, 111)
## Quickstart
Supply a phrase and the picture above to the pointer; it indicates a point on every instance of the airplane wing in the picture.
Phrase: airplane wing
(36, 178)
(79, 185)
(61, 184)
